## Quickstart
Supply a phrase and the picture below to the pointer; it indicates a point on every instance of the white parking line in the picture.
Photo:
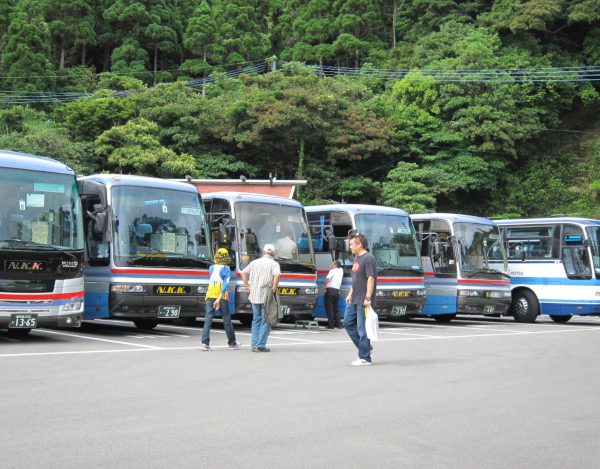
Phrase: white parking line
(148, 348)
(81, 336)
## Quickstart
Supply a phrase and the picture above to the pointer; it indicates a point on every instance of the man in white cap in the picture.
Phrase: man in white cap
(261, 278)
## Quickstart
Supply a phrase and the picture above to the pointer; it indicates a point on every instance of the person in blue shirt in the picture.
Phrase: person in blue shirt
(217, 299)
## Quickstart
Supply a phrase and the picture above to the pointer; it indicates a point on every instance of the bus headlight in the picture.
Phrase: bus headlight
(380, 293)
(469, 293)
(420, 292)
(72, 306)
(126, 288)
(241, 289)
(310, 291)
(202, 289)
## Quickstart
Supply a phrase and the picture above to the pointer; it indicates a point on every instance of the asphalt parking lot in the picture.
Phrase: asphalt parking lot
(474, 393)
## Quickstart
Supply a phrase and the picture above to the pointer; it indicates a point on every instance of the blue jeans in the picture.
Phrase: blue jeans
(354, 322)
(260, 327)
(208, 317)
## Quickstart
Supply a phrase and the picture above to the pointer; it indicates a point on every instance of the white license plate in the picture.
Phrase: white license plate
(489, 309)
(286, 310)
(23, 321)
(399, 310)
(168, 312)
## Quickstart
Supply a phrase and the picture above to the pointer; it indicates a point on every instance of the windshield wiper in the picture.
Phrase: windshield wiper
(400, 269)
(151, 259)
(486, 271)
(33, 244)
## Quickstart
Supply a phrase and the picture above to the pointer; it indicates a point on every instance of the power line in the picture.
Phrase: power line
(574, 74)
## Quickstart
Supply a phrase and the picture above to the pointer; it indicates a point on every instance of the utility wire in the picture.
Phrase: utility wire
(573, 74)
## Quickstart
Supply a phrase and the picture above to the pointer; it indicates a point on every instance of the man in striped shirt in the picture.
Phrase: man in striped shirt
(261, 278)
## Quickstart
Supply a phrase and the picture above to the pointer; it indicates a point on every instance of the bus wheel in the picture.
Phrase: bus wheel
(16, 333)
(444, 317)
(525, 307)
(145, 324)
(561, 318)
(245, 320)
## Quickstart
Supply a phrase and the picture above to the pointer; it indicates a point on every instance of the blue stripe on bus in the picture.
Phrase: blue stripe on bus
(46, 304)
(565, 309)
(553, 281)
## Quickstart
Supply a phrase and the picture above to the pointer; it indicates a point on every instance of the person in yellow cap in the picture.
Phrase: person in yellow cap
(217, 299)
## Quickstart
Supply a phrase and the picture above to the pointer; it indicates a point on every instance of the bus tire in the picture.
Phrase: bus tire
(16, 333)
(444, 317)
(245, 320)
(525, 307)
(145, 324)
(560, 318)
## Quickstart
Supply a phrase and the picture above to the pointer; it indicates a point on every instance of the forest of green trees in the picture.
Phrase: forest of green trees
(418, 140)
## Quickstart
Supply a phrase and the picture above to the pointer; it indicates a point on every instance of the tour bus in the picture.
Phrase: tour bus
(41, 244)
(457, 252)
(391, 238)
(243, 223)
(555, 267)
(148, 249)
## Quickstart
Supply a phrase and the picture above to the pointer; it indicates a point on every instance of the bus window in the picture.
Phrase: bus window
(574, 253)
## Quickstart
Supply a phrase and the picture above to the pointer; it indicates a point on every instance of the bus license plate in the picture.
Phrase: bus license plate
(489, 309)
(286, 310)
(399, 310)
(169, 312)
(23, 321)
(285, 291)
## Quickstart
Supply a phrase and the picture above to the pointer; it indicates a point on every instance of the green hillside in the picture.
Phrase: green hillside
(483, 107)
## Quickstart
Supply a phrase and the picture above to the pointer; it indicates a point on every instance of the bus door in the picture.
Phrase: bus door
(576, 261)
(98, 229)
(439, 262)
(222, 229)
(329, 242)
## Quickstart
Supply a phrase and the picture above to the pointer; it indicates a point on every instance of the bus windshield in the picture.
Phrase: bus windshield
(477, 244)
(39, 210)
(159, 227)
(284, 226)
(593, 233)
(392, 240)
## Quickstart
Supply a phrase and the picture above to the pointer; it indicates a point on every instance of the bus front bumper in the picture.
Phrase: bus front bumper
(296, 307)
(399, 307)
(469, 305)
(45, 317)
(145, 306)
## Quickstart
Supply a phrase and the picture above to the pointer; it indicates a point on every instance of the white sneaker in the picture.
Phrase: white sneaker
(235, 346)
(361, 362)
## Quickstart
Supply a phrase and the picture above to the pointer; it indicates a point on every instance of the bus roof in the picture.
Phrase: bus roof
(232, 196)
(12, 159)
(357, 209)
(537, 221)
(452, 217)
(140, 181)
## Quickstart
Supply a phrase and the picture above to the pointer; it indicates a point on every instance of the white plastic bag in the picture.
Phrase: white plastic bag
(371, 323)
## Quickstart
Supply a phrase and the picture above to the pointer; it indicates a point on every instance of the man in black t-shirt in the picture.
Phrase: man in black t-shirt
(361, 296)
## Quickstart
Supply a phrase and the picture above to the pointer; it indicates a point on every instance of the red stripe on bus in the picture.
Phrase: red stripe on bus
(400, 279)
(485, 282)
(41, 296)
(292, 276)
(194, 273)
